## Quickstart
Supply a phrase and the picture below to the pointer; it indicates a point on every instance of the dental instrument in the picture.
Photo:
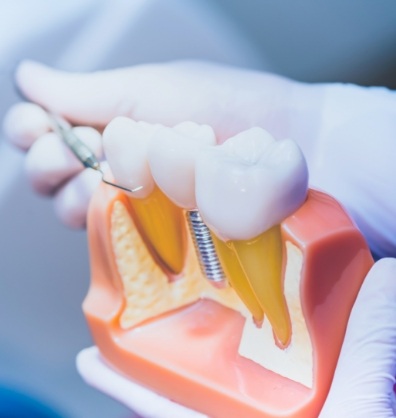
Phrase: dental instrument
(82, 151)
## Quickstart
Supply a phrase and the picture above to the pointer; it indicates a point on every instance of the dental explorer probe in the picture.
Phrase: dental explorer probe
(82, 151)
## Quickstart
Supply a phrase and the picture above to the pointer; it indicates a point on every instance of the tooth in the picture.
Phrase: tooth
(172, 156)
(244, 189)
(159, 220)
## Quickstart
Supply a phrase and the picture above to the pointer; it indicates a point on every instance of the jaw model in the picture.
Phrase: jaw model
(293, 258)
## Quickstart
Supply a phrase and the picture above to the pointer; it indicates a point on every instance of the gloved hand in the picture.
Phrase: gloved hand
(363, 384)
(51, 167)
(346, 132)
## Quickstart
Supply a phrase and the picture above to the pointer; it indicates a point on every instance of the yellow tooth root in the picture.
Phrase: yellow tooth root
(261, 260)
(237, 278)
(162, 226)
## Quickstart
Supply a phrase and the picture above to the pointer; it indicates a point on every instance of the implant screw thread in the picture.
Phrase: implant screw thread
(205, 249)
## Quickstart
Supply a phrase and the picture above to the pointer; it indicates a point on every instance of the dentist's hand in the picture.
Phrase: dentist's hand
(347, 133)
(363, 384)
(52, 169)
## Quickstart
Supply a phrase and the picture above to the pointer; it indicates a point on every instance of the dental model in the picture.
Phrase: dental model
(293, 258)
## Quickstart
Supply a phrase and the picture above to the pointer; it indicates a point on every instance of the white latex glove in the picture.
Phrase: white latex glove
(51, 167)
(347, 133)
(365, 376)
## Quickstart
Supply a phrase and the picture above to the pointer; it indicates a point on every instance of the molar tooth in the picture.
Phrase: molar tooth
(159, 221)
(244, 189)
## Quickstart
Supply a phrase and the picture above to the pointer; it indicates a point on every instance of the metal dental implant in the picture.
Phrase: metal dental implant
(205, 249)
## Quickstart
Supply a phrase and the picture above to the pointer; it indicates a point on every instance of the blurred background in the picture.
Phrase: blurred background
(44, 270)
